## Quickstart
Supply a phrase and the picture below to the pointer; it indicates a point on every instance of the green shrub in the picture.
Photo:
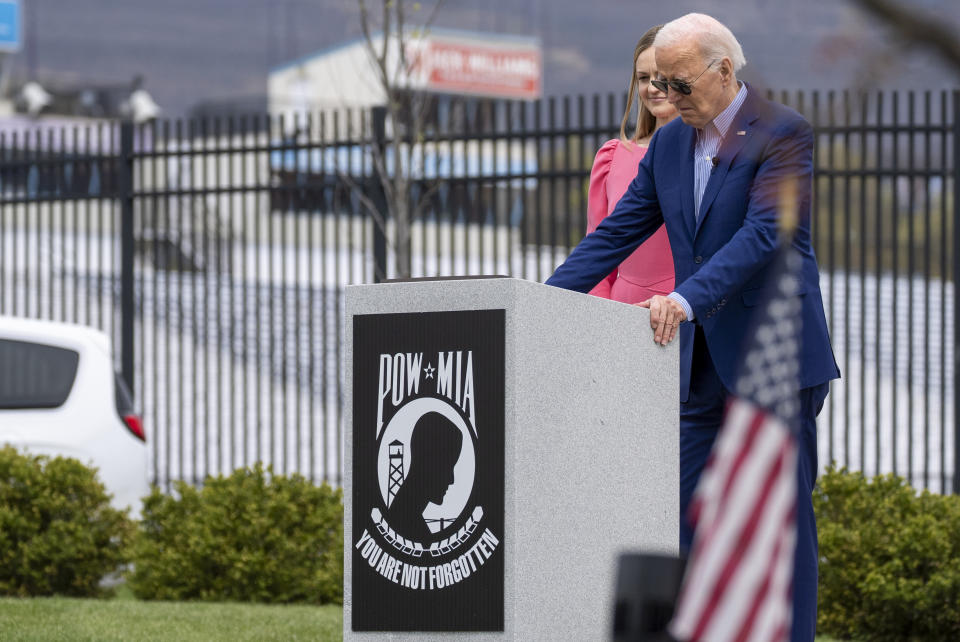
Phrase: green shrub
(58, 533)
(252, 536)
(889, 566)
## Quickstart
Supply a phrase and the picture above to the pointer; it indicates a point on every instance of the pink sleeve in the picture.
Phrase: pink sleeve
(597, 204)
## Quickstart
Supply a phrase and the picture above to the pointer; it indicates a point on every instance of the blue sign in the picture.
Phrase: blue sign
(9, 25)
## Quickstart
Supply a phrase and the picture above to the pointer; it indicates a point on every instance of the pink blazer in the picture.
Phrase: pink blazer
(649, 270)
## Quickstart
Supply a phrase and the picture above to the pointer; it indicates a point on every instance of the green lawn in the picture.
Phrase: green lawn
(125, 618)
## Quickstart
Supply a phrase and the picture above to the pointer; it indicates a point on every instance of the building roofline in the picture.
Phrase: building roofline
(296, 62)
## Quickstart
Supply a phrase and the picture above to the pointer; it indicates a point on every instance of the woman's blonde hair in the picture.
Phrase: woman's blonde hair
(646, 122)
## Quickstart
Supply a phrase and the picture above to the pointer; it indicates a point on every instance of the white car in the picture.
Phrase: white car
(60, 395)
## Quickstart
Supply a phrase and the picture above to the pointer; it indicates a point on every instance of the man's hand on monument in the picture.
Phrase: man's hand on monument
(665, 316)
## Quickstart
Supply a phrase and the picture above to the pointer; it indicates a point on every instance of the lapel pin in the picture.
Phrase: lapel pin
(741, 133)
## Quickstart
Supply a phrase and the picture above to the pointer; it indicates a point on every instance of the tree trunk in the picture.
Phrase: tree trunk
(402, 225)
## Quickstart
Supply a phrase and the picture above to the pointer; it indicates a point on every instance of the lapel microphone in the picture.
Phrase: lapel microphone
(715, 160)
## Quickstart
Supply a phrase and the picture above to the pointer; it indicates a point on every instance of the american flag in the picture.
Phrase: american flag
(739, 577)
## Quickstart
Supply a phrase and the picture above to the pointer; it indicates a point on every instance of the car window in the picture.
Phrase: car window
(35, 375)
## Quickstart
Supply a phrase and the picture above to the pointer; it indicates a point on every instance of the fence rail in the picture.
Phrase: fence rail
(215, 253)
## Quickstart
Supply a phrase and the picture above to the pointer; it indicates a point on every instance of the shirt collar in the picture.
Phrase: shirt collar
(724, 119)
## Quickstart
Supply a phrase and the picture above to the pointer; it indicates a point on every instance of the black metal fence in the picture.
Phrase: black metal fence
(215, 253)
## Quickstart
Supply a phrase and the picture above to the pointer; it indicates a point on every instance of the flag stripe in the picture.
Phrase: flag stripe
(735, 555)
(754, 564)
(734, 550)
(774, 568)
(715, 538)
(742, 415)
(773, 621)
(749, 439)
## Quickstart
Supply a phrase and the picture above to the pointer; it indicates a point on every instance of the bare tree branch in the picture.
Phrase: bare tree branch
(371, 208)
(365, 200)
(424, 199)
(379, 58)
(401, 38)
(917, 28)
(433, 13)
(406, 112)
(419, 112)
(386, 28)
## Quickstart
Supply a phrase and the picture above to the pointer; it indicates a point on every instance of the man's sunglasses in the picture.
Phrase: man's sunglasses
(681, 86)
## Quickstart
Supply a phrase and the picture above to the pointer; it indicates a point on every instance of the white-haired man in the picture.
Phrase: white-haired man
(713, 177)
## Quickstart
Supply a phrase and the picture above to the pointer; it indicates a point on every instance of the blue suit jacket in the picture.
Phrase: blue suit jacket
(720, 260)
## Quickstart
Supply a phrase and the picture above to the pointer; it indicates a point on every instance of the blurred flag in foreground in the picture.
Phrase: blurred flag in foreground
(740, 572)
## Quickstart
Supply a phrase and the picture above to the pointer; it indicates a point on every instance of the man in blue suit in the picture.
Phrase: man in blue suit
(714, 177)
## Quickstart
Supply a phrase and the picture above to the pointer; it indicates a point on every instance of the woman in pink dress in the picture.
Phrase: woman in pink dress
(649, 270)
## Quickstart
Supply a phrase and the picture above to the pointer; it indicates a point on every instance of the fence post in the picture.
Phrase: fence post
(126, 252)
(956, 292)
(377, 195)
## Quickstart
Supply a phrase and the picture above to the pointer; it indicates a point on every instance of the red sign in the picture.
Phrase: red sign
(473, 68)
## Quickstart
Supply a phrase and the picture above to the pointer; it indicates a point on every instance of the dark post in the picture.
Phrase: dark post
(647, 587)
(126, 252)
(956, 292)
(377, 195)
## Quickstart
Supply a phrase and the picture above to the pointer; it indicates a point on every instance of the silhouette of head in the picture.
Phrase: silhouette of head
(434, 450)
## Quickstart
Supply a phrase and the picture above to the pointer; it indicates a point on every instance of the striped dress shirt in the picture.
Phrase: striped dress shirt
(708, 145)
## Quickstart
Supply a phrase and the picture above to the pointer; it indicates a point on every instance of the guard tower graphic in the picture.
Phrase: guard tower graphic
(396, 470)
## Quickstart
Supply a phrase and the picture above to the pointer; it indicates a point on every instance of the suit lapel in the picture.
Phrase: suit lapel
(737, 136)
(686, 178)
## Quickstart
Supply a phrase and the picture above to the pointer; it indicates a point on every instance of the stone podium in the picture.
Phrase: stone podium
(505, 441)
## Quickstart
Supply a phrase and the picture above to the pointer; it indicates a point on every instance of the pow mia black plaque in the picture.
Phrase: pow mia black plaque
(428, 460)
